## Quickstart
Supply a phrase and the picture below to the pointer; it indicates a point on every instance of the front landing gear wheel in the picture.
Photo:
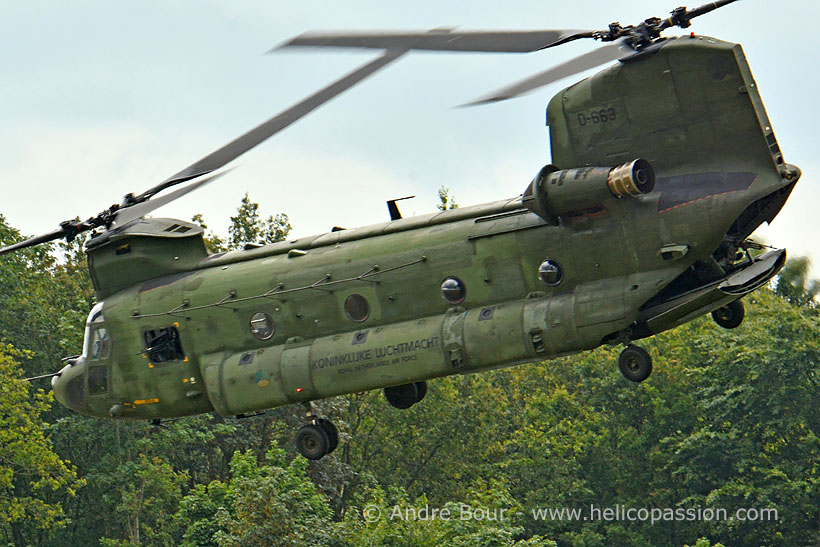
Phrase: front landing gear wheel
(312, 441)
(331, 432)
(635, 363)
(421, 390)
(729, 316)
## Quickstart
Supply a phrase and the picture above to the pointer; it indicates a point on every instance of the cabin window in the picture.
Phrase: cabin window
(262, 325)
(357, 308)
(97, 380)
(163, 345)
(453, 290)
(550, 272)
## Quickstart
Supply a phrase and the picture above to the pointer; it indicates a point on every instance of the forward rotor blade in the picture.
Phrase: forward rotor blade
(128, 214)
(30, 242)
(443, 40)
(51, 375)
(596, 57)
(135, 207)
(262, 132)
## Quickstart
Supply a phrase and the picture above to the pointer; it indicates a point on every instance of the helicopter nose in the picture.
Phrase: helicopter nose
(69, 389)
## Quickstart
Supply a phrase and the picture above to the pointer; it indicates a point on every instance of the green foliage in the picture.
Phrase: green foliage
(703, 542)
(757, 444)
(794, 285)
(43, 302)
(31, 474)
(446, 200)
(145, 492)
(213, 242)
(487, 516)
(274, 504)
(197, 514)
(424, 446)
(248, 227)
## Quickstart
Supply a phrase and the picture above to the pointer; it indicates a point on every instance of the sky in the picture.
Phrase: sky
(101, 98)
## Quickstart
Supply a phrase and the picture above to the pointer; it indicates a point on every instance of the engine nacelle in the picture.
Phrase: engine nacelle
(553, 193)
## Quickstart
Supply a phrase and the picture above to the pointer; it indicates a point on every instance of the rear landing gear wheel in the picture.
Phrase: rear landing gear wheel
(635, 363)
(312, 441)
(729, 316)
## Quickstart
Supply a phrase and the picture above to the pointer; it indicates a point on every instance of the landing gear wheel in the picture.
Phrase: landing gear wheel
(635, 363)
(729, 316)
(331, 432)
(403, 396)
(312, 441)
(421, 390)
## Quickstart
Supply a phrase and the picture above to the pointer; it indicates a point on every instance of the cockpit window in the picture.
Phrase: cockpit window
(97, 380)
(95, 318)
(99, 344)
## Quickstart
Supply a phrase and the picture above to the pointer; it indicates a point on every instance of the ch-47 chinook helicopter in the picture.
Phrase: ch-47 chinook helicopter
(663, 164)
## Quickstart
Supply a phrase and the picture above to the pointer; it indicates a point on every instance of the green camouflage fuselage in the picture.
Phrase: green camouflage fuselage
(631, 266)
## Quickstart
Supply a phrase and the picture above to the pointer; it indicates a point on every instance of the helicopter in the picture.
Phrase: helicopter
(663, 164)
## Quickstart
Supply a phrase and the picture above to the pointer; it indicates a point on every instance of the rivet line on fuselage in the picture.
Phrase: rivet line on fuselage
(274, 293)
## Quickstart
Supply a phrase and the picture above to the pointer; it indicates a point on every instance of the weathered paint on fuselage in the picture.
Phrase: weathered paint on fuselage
(690, 108)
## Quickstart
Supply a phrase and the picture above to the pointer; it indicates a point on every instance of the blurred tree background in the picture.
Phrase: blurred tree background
(728, 419)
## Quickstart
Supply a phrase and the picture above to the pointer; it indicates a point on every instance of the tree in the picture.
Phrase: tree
(276, 228)
(149, 491)
(213, 242)
(487, 516)
(31, 473)
(272, 504)
(794, 285)
(446, 200)
(757, 443)
(197, 514)
(247, 226)
(43, 303)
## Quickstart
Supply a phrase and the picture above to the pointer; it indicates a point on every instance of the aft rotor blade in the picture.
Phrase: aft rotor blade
(262, 132)
(706, 8)
(30, 242)
(596, 57)
(443, 40)
(141, 209)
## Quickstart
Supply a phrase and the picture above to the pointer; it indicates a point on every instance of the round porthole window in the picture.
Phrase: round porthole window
(453, 290)
(357, 308)
(550, 272)
(262, 325)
